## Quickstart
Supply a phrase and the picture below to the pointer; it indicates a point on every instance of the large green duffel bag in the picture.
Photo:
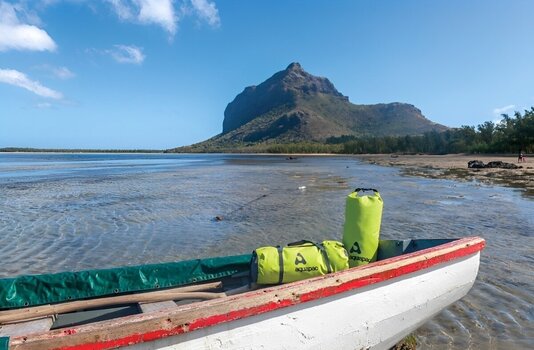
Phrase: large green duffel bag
(297, 261)
(363, 215)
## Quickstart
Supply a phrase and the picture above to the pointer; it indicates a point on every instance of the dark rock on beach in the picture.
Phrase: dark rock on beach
(477, 164)
(502, 165)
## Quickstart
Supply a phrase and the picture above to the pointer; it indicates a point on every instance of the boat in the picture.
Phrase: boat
(367, 307)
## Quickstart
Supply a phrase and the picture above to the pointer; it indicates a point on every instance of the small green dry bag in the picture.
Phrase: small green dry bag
(363, 215)
(297, 261)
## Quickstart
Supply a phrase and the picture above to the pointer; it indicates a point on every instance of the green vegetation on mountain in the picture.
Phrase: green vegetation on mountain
(509, 136)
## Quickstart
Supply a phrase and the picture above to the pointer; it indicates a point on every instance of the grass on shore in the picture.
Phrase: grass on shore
(408, 343)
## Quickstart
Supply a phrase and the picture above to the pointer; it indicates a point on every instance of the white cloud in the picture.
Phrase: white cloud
(159, 12)
(16, 78)
(127, 54)
(58, 72)
(207, 11)
(163, 13)
(501, 110)
(15, 35)
(122, 9)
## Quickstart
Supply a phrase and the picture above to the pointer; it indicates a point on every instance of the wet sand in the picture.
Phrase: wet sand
(454, 166)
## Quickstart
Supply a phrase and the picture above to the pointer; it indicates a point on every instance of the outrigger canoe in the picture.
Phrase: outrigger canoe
(208, 303)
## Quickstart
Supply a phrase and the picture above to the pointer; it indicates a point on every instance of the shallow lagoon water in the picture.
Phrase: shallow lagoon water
(79, 211)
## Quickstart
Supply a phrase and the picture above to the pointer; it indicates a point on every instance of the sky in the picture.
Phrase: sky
(157, 74)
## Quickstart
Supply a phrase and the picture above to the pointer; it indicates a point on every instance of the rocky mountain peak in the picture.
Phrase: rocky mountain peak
(284, 88)
(295, 78)
(295, 66)
(294, 105)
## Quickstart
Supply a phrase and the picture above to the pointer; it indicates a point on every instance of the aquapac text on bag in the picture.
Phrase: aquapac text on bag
(297, 261)
(363, 215)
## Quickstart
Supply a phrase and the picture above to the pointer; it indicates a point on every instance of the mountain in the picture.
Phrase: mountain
(295, 106)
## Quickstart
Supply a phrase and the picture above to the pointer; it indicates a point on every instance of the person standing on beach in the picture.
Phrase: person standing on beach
(520, 157)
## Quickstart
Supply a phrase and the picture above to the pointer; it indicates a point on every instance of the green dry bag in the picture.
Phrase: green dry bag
(297, 261)
(363, 215)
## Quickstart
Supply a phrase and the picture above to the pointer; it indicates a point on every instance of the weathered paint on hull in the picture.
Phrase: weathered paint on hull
(376, 316)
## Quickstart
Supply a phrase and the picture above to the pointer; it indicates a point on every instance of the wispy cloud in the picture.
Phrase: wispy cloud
(163, 12)
(16, 78)
(63, 73)
(501, 110)
(123, 9)
(159, 12)
(59, 72)
(15, 35)
(127, 54)
(207, 11)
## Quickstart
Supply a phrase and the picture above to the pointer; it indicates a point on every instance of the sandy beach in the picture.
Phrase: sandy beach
(454, 166)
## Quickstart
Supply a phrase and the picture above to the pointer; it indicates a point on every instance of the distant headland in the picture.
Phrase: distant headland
(81, 150)
(296, 112)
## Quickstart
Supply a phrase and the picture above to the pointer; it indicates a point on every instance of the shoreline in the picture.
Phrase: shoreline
(448, 166)
(454, 167)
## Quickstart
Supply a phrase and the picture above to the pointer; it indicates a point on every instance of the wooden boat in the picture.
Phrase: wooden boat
(369, 307)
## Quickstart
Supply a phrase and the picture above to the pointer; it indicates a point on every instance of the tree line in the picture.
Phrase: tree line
(511, 134)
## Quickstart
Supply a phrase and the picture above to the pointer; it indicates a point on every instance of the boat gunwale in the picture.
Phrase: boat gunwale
(140, 328)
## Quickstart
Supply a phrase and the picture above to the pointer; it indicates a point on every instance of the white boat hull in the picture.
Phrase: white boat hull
(376, 316)
(369, 307)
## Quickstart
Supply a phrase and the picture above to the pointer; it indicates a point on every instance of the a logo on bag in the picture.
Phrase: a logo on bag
(355, 248)
(300, 259)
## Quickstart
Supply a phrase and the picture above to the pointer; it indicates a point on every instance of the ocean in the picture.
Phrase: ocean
(81, 211)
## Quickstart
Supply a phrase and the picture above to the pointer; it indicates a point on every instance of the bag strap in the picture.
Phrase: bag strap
(281, 263)
(253, 259)
(325, 257)
(365, 189)
(301, 242)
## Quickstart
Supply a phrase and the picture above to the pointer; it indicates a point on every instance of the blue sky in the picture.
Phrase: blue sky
(159, 73)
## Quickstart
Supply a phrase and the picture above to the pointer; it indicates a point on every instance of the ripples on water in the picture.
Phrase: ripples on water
(70, 212)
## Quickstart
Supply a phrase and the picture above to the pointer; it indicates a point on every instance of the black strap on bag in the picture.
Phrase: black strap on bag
(326, 259)
(281, 263)
(253, 270)
(365, 189)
